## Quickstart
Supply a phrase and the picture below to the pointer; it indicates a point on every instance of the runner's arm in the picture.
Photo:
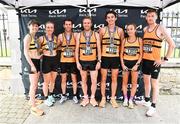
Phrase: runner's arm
(59, 41)
(140, 51)
(169, 40)
(27, 41)
(101, 33)
(121, 33)
(122, 52)
(98, 46)
(77, 48)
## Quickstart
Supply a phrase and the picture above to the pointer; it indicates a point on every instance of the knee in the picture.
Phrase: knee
(74, 82)
(134, 81)
(134, 85)
(94, 82)
(103, 79)
(45, 84)
(84, 78)
(63, 80)
(124, 85)
(114, 79)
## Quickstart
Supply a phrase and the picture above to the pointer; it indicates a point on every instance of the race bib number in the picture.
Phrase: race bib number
(87, 51)
(111, 49)
(147, 48)
(131, 51)
(68, 53)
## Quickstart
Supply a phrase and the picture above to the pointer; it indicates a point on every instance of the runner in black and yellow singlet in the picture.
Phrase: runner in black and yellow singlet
(111, 37)
(88, 58)
(131, 56)
(32, 55)
(152, 43)
(49, 43)
(67, 59)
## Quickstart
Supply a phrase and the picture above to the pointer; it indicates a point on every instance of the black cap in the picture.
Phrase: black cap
(32, 22)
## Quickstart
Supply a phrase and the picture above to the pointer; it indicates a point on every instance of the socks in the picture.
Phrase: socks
(75, 94)
(46, 97)
(131, 98)
(64, 94)
(153, 105)
(50, 93)
(147, 99)
(125, 97)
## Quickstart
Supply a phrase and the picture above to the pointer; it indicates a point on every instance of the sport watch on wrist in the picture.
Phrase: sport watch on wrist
(99, 60)
(138, 64)
(165, 59)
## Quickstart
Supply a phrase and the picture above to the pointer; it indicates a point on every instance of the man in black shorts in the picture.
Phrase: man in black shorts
(67, 59)
(154, 34)
(111, 37)
(87, 52)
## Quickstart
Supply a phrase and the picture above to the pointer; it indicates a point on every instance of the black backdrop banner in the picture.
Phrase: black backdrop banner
(125, 15)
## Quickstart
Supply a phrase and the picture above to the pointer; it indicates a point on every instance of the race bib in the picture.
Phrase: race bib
(112, 49)
(131, 51)
(147, 48)
(68, 52)
(87, 51)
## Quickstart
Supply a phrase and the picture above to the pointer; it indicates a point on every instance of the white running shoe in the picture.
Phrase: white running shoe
(48, 102)
(144, 103)
(131, 104)
(63, 99)
(75, 99)
(151, 111)
(125, 103)
(51, 98)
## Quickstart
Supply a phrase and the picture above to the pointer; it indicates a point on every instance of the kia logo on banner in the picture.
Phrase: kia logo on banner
(29, 12)
(77, 27)
(57, 13)
(143, 13)
(139, 29)
(121, 12)
(98, 26)
(85, 12)
(41, 28)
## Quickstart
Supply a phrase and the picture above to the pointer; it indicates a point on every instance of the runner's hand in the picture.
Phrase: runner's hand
(79, 66)
(33, 69)
(124, 68)
(135, 67)
(157, 63)
(98, 65)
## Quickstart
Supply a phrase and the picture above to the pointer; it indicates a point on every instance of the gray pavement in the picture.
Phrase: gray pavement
(15, 110)
(168, 112)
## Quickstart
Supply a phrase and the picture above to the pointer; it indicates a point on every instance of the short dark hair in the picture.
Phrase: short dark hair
(69, 20)
(32, 22)
(49, 22)
(87, 17)
(111, 12)
(152, 11)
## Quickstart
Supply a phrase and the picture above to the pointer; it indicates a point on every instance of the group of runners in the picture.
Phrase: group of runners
(90, 51)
